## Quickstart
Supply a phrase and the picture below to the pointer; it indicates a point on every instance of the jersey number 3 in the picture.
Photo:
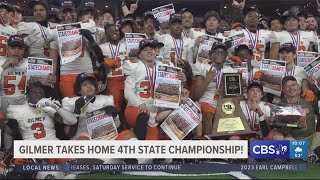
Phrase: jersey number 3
(41, 132)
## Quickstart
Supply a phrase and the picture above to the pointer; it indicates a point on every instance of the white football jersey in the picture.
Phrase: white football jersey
(5, 33)
(100, 102)
(177, 48)
(201, 69)
(113, 51)
(12, 87)
(302, 39)
(253, 116)
(37, 37)
(138, 88)
(33, 124)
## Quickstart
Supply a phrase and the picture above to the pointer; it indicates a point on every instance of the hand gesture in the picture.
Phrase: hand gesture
(87, 34)
(10, 62)
(198, 40)
(237, 5)
(257, 109)
(134, 7)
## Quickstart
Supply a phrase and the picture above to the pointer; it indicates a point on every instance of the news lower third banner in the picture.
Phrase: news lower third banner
(195, 168)
(235, 149)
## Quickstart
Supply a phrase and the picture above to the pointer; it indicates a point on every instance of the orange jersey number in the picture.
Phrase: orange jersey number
(258, 56)
(147, 89)
(41, 132)
(10, 88)
(3, 45)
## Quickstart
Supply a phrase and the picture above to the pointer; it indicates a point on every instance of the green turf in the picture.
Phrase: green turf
(107, 176)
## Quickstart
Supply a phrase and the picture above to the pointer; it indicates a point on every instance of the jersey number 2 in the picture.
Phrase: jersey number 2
(41, 132)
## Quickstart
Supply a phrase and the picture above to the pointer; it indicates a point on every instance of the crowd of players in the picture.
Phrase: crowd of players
(104, 77)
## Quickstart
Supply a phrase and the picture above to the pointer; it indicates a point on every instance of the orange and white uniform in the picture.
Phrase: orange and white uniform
(99, 102)
(138, 90)
(33, 125)
(209, 99)
(175, 49)
(5, 33)
(70, 71)
(12, 87)
(257, 42)
(115, 82)
(301, 40)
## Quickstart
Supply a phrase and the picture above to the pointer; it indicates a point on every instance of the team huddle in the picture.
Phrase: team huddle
(109, 82)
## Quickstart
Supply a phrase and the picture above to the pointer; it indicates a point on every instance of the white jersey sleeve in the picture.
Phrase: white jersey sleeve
(130, 89)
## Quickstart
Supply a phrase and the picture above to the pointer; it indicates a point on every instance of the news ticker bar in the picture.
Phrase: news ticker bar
(199, 168)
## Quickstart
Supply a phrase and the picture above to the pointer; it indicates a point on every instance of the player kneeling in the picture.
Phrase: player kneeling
(35, 119)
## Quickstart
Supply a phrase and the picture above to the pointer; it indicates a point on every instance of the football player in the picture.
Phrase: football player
(176, 48)
(5, 30)
(70, 71)
(256, 39)
(115, 52)
(148, 24)
(140, 112)
(187, 21)
(13, 74)
(85, 102)
(36, 118)
(208, 84)
(302, 40)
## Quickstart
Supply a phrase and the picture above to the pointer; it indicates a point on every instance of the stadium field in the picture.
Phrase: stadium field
(313, 172)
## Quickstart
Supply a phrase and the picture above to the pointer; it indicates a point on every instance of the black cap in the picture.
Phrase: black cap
(287, 47)
(287, 15)
(183, 10)
(175, 17)
(147, 15)
(6, 6)
(288, 78)
(237, 49)
(263, 19)
(255, 84)
(54, 11)
(107, 10)
(209, 14)
(67, 4)
(15, 40)
(146, 43)
(216, 46)
(249, 9)
(158, 44)
(311, 15)
(86, 5)
(44, 3)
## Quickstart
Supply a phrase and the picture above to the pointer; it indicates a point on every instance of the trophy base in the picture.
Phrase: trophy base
(289, 125)
(227, 135)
